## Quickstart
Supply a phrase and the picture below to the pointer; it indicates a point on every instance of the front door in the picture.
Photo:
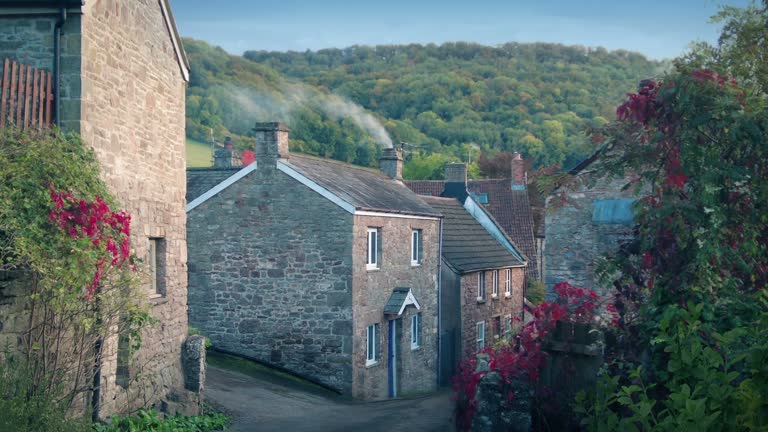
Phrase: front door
(392, 363)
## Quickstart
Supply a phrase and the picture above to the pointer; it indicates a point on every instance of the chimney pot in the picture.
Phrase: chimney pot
(227, 156)
(391, 163)
(271, 142)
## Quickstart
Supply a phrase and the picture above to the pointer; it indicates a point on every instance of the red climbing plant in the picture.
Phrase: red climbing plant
(108, 231)
(524, 357)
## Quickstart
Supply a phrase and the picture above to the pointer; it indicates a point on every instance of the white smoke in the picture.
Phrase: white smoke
(281, 104)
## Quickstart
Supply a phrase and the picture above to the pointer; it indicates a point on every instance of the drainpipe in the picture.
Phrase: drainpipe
(440, 306)
(57, 63)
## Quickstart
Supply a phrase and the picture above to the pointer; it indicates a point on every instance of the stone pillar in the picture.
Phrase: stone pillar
(193, 361)
(391, 163)
(271, 143)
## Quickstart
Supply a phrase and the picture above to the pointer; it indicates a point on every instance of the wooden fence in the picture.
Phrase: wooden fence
(26, 96)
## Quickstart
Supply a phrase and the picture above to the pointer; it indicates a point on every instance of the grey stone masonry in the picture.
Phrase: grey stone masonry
(270, 276)
(575, 241)
(391, 163)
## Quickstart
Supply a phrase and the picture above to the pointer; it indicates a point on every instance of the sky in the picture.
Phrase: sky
(658, 29)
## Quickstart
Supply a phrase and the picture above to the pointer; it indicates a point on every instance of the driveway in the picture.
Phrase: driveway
(257, 404)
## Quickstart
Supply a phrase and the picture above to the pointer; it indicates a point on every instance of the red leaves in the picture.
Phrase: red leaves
(641, 106)
(248, 156)
(95, 221)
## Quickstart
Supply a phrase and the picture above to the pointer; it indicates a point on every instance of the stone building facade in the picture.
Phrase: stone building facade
(280, 268)
(483, 274)
(123, 76)
(585, 220)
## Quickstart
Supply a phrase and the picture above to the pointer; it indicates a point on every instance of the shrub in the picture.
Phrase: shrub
(150, 421)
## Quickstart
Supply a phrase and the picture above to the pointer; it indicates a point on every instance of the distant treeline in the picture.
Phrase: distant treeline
(448, 102)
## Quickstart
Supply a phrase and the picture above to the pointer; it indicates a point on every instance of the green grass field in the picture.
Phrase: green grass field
(198, 154)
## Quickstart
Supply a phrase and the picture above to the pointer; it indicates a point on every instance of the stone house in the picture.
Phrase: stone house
(509, 201)
(327, 270)
(119, 77)
(482, 277)
(587, 218)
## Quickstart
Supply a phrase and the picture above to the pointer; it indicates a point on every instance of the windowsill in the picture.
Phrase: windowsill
(369, 267)
(158, 299)
(507, 295)
(494, 296)
(370, 364)
(415, 347)
(415, 264)
(480, 300)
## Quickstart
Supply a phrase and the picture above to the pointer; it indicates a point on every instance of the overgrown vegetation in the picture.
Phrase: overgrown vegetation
(692, 288)
(150, 421)
(452, 101)
(65, 256)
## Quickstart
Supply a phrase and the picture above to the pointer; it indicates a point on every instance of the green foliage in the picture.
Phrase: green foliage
(536, 292)
(531, 98)
(693, 286)
(149, 421)
(27, 410)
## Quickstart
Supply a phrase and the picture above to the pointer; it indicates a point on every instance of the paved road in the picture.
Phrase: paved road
(265, 405)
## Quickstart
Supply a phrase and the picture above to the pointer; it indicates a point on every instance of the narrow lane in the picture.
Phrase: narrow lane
(258, 405)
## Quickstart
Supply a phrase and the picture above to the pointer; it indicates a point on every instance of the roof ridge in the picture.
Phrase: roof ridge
(337, 162)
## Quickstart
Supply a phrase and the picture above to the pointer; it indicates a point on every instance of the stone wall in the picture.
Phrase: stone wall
(28, 39)
(417, 369)
(575, 242)
(271, 280)
(133, 115)
(123, 90)
(474, 311)
(451, 343)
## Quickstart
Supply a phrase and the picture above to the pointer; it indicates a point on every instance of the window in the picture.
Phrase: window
(482, 198)
(157, 267)
(508, 283)
(416, 247)
(495, 292)
(507, 326)
(372, 343)
(122, 375)
(416, 331)
(497, 327)
(480, 286)
(480, 335)
(374, 249)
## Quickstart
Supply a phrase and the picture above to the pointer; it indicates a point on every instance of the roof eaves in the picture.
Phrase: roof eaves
(178, 45)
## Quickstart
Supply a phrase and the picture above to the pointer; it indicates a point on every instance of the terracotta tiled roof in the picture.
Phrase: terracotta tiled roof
(467, 246)
(510, 207)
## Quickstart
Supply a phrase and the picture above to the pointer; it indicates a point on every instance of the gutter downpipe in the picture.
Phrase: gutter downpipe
(440, 307)
(57, 63)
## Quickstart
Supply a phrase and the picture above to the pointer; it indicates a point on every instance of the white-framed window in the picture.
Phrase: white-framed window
(416, 331)
(416, 247)
(372, 345)
(507, 326)
(480, 286)
(495, 289)
(508, 283)
(480, 335)
(373, 260)
(156, 262)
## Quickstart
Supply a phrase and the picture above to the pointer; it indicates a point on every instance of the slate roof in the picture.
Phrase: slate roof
(467, 246)
(396, 300)
(363, 188)
(201, 180)
(510, 207)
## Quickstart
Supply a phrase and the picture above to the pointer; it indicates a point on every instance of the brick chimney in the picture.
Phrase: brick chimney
(391, 163)
(227, 157)
(271, 143)
(519, 176)
(455, 181)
